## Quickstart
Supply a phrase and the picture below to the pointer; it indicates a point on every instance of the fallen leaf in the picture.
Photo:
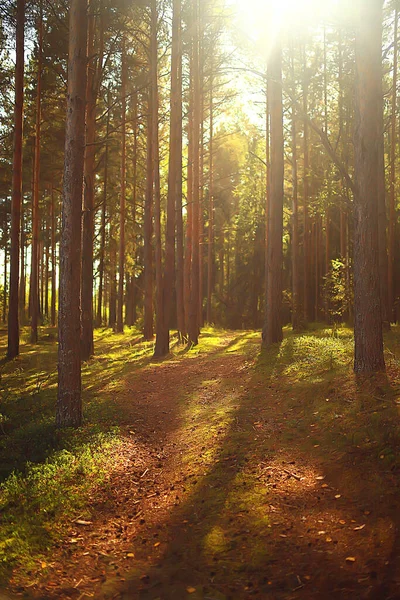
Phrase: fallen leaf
(190, 590)
(320, 477)
(157, 544)
(359, 527)
(338, 496)
(324, 485)
(81, 522)
(44, 565)
(328, 539)
(342, 522)
(321, 532)
(350, 559)
(130, 555)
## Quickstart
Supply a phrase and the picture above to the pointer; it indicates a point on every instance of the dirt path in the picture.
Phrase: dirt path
(228, 487)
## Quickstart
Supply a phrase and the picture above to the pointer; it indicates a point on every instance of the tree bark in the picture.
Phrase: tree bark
(53, 257)
(392, 196)
(87, 343)
(22, 280)
(193, 324)
(210, 253)
(156, 183)
(148, 331)
(122, 209)
(35, 199)
(99, 318)
(162, 339)
(189, 207)
(13, 316)
(368, 355)
(306, 174)
(69, 401)
(179, 281)
(46, 270)
(296, 309)
(272, 332)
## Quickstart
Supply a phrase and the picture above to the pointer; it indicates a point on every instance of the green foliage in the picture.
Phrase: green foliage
(37, 505)
(338, 291)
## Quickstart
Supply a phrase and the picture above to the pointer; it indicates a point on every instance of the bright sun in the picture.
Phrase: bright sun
(262, 19)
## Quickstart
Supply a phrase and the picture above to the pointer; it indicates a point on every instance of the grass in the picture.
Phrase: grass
(37, 505)
(48, 477)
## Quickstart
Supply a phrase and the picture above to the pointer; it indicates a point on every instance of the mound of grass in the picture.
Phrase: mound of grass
(38, 505)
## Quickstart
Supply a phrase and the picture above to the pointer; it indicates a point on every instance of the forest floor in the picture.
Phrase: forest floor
(219, 473)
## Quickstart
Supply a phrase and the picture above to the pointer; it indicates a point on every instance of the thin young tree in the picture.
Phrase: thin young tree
(122, 207)
(87, 344)
(193, 321)
(35, 198)
(13, 317)
(69, 400)
(393, 148)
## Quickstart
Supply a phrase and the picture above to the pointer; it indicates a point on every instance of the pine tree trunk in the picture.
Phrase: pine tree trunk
(296, 311)
(160, 346)
(69, 401)
(267, 189)
(22, 284)
(99, 318)
(53, 257)
(162, 339)
(201, 164)
(46, 271)
(382, 223)
(112, 307)
(367, 302)
(148, 232)
(5, 286)
(392, 196)
(306, 225)
(189, 208)
(272, 332)
(122, 208)
(210, 253)
(35, 200)
(180, 304)
(193, 323)
(87, 343)
(13, 317)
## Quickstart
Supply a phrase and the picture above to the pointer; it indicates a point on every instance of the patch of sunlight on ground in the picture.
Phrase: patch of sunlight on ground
(307, 355)
(242, 344)
(206, 421)
(215, 542)
(211, 339)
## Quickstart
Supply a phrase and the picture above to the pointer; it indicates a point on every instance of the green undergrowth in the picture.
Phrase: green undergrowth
(333, 409)
(227, 428)
(46, 475)
(38, 505)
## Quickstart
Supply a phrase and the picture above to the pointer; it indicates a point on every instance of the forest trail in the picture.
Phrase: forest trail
(229, 486)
